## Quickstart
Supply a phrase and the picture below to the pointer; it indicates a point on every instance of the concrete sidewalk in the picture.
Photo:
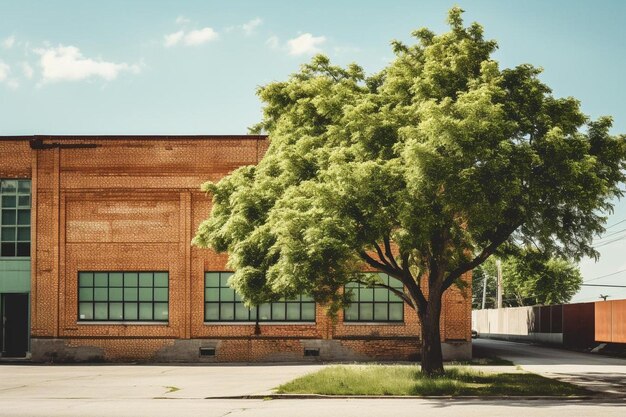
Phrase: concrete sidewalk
(594, 372)
(143, 381)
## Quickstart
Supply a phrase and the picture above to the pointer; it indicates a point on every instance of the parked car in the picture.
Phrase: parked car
(474, 334)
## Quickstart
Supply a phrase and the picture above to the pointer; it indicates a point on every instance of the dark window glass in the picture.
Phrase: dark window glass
(127, 296)
(374, 304)
(14, 212)
(222, 303)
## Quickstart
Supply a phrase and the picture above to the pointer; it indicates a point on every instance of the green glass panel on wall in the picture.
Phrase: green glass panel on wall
(130, 311)
(381, 294)
(85, 279)
(160, 294)
(227, 311)
(351, 313)
(395, 283)
(145, 294)
(278, 311)
(366, 294)
(308, 311)
(115, 294)
(396, 311)
(116, 311)
(100, 294)
(145, 279)
(265, 311)
(130, 279)
(224, 276)
(85, 294)
(227, 294)
(241, 312)
(212, 279)
(145, 311)
(85, 311)
(100, 279)
(212, 294)
(211, 311)
(293, 311)
(366, 311)
(161, 279)
(161, 311)
(101, 311)
(130, 294)
(116, 279)
(380, 312)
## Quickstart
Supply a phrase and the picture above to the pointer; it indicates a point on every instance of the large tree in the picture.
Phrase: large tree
(528, 278)
(421, 171)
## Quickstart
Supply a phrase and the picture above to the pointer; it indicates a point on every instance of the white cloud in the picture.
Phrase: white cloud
(181, 20)
(249, 27)
(8, 42)
(200, 36)
(66, 63)
(5, 71)
(27, 70)
(305, 44)
(192, 38)
(273, 42)
(173, 38)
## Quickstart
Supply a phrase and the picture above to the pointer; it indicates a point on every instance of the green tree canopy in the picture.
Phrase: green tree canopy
(529, 278)
(422, 171)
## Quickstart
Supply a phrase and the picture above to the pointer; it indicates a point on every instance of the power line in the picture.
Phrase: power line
(607, 275)
(602, 285)
(615, 224)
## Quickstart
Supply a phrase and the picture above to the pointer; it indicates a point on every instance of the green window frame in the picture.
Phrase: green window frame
(374, 304)
(223, 304)
(123, 296)
(15, 206)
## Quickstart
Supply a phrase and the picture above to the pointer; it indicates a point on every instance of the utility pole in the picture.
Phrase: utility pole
(485, 276)
(499, 266)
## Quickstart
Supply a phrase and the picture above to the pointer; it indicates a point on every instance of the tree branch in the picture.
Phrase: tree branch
(480, 258)
(381, 256)
(388, 252)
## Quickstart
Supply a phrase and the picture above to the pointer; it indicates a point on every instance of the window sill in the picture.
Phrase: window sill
(374, 323)
(262, 323)
(122, 323)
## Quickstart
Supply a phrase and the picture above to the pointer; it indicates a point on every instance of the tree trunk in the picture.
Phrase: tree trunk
(432, 358)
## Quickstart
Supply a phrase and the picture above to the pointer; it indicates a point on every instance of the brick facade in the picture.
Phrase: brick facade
(133, 203)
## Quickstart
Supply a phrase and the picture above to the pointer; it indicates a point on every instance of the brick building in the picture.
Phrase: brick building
(96, 264)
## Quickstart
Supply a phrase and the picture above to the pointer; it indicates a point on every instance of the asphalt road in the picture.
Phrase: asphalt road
(312, 408)
(595, 372)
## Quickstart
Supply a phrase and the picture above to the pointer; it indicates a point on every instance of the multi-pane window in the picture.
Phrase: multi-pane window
(222, 303)
(14, 218)
(375, 304)
(123, 296)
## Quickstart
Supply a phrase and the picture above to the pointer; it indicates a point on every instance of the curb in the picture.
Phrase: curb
(415, 397)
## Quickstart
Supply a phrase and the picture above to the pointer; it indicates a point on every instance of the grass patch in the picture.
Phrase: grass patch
(408, 380)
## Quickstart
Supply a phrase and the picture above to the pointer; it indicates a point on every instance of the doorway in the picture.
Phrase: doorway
(14, 325)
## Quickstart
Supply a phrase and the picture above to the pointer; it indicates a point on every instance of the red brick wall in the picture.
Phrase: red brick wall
(134, 204)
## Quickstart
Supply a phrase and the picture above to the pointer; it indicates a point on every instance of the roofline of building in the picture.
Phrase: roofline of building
(131, 137)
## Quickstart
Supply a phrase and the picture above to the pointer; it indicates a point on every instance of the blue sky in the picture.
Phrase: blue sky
(192, 67)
